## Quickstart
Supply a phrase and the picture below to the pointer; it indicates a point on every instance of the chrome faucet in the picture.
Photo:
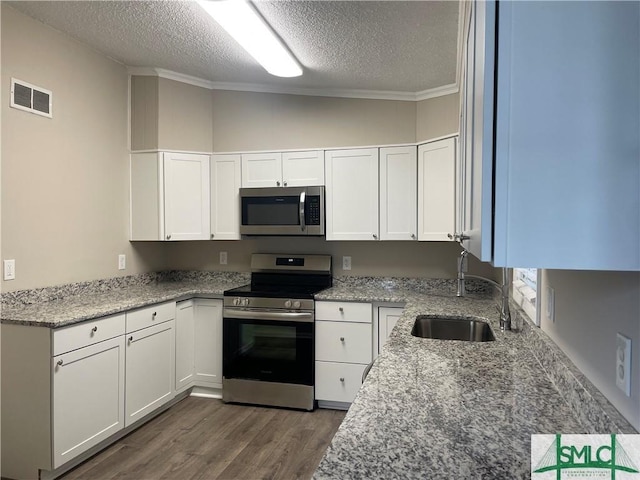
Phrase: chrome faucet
(505, 313)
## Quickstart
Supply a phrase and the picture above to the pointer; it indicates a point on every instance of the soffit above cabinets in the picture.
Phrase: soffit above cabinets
(375, 49)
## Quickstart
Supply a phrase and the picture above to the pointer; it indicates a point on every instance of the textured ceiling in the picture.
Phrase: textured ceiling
(395, 46)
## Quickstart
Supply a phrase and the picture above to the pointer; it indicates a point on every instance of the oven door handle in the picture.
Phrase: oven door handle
(258, 315)
(301, 211)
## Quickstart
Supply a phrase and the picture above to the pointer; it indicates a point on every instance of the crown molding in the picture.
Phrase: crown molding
(313, 92)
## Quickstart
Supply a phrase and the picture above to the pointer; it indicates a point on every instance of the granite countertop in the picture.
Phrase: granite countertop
(441, 409)
(80, 307)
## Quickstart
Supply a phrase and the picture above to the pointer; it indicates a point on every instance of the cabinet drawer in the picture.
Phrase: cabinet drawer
(87, 333)
(343, 342)
(344, 311)
(147, 316)
(338, 382)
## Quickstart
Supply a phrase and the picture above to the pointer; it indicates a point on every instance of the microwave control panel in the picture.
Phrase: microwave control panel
(312, 210)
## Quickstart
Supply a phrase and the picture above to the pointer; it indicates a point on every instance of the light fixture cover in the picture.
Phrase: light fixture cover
(248, 28)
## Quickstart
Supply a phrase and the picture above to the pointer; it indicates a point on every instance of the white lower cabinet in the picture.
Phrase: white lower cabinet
(343, 350)
(150, 370)
(185, 352)
(198, 344)
(208, 343)
(87, 396)
(387, 319)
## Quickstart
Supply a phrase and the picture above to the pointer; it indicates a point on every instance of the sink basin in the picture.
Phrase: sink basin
(451, 328)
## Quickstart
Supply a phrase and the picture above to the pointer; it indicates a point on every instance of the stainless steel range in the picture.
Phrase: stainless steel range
(268, 331)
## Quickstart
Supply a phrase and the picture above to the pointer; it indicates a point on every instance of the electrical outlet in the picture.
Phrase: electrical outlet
(122, 261)
(623, 364)
(551, 304)
(9, 269)
(346, 263)
(223, 258)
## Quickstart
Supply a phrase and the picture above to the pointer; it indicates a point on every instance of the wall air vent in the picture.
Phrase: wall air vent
(30, 98)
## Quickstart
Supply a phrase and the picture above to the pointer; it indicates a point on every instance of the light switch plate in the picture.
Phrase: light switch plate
(223, 258)
(122, 261)
(9, 269)
(623, 364)
(551, 304)
(346, 263)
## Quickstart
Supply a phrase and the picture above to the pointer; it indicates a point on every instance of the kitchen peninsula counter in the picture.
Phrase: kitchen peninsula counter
(441, 409)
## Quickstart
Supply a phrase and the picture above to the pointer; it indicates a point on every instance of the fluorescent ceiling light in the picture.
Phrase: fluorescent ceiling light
(246, 26)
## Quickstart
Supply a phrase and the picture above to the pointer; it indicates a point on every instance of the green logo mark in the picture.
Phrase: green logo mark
(609, 456)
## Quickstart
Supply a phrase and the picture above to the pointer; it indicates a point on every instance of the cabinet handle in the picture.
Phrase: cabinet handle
(375, 236)
(342, 379)
(94, 329)
(458, 237)
(413, 236)
(168, 237)
(341, 310)
(59, 363)
(153, 315)
(131, 339)
(277, 184)
(285, 184)
(212, 235)
(342, 339)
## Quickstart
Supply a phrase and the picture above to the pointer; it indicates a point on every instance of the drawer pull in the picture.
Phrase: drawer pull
(59, 363)
(341, 310)
(153, 315)
(342, 339)
(94, 329)
(131, 339)
(342, 379)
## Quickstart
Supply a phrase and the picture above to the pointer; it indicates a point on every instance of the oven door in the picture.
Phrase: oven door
(268, 346)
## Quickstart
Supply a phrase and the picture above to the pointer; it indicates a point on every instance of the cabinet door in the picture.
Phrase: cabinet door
(302, 169)
(436, 190)
(387, 318)
(88, 397)
(261, 170)
(208, 343)
(398, 193)
(352, 194)
(150, 370)
(186, 196)
(477, 127)
(185, 337)
(225, 198)
(567, 161)
(338, 382)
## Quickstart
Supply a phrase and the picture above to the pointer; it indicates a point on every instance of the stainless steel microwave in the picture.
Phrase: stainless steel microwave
(282, 211)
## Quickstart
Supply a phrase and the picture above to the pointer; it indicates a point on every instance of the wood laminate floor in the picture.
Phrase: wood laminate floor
(201, 438)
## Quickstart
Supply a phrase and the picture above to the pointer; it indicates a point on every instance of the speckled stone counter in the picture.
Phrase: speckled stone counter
(439, 409)
(75, 304)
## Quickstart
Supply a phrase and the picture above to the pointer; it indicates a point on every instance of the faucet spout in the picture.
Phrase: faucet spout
(503, 288)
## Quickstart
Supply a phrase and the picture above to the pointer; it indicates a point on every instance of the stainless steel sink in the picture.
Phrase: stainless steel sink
(451, 328)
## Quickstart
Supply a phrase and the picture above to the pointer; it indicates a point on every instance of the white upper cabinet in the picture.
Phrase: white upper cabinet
(303, 169)
(565, 166)
(170, 196)
(352, 194)
(398, 193)
(225, 198)
(436, 190)
(261, 170)
(475, 175)
(289, 169)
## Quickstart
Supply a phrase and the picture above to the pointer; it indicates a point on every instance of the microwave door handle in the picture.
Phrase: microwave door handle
(301, 211)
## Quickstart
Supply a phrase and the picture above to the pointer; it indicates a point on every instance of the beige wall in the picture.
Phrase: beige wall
(245, 121)
(437, 117)
(590, 308)
(185, 117)
(402, 259)
(65, 181)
